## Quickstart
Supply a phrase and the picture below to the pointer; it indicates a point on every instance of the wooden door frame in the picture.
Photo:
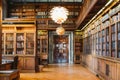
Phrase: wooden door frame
(70, 46)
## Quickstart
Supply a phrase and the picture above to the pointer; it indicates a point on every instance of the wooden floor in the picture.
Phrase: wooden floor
(60, 72)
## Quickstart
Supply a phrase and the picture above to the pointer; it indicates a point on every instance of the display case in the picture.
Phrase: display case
(3, 47)
(30, 43)
(107, 42)
(78, 46)
(20, 43)
(9, 44)
(113, 40)
(118, 38)
(42, 46)
(19, 40)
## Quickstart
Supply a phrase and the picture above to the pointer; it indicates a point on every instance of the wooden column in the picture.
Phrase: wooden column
(0, 31)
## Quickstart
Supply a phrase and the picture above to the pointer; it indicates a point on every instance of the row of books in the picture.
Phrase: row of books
(10, 38)
(20, 44)
(20, 51)
(20, 37)
(9, 46)
(114, 10)
(105, 23)
(30, 51)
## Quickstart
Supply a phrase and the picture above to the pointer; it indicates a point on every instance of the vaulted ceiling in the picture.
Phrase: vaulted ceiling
(81, 11)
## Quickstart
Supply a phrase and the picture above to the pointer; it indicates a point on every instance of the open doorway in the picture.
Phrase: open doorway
(60, 47)
(60, 54)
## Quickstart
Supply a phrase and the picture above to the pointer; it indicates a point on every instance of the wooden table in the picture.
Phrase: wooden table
(9, 75)
(6, 64)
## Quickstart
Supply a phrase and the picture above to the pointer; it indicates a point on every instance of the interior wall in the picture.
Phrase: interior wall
(70, 45)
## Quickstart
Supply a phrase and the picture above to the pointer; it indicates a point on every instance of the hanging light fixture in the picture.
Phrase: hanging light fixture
(59, 14)
(60, 30)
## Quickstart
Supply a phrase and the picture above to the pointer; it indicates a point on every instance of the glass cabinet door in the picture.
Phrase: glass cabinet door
(20, 43)
(103, 43)
(29, 43)
(113, 36)
(9, 44)
(118, 39)
(3, 43)
(107, 42)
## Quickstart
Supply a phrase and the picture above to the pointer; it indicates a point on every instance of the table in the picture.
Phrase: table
(9, 75)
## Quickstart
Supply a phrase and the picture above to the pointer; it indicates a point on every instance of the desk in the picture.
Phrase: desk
(9, 75)
(6, 64)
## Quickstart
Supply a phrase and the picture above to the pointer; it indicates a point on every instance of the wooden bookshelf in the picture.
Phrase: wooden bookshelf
(39, 12)
(0, 30)
(19, 40)
(78, 45)
(42, 46)
(106, 31)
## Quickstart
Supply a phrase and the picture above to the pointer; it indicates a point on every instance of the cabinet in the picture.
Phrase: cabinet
(19, 40)
(107, 42)
(107, 69)
(30, 43)
(7, 43)
(107, 33)
(78, 46)
(42, 46)
(26, 64)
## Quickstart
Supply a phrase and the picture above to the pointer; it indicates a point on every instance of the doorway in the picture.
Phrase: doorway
(60, 47)
(60, 54)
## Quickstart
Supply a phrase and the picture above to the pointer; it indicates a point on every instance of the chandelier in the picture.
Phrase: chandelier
(59, 14)
(60, 30)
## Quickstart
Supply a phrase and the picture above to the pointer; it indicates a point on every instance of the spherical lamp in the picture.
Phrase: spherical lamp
(60, 30)
(59, 14)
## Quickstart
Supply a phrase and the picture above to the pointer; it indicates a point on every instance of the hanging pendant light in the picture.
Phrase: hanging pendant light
(60, 30)
(59, 14)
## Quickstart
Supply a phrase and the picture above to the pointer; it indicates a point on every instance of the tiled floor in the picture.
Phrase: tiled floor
(60, 72)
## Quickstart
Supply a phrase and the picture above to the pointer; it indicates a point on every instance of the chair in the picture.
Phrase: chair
(15, 63)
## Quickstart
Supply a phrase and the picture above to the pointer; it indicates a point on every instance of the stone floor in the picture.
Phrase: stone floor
(60, 72)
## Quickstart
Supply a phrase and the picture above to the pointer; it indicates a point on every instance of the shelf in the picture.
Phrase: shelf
(107, 33)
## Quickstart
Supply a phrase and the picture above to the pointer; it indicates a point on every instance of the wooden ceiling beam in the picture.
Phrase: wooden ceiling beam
(86, 8)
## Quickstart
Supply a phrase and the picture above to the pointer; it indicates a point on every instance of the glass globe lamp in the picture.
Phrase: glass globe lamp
(59, 14)
(60, 30)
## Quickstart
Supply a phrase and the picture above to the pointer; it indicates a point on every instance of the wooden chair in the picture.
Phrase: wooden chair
(15, 63)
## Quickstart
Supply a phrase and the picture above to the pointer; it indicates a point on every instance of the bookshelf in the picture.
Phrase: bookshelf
(30, 43)
(42, 46)
(3, 44)
(107, 33)
(20, 43)
(118, 39)
(19, 40)
(20, 10)
(9, 44)
(78, 43)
